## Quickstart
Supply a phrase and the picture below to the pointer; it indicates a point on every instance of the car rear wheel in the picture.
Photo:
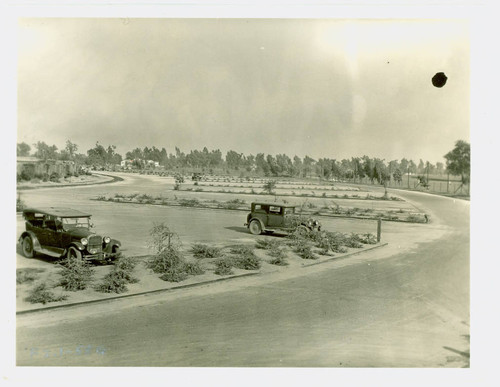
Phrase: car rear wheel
(255, 227)
(74, 253)
(28, 247)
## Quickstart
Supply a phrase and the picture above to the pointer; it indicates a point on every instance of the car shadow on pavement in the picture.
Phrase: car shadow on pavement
(37, 257)
(242, 230)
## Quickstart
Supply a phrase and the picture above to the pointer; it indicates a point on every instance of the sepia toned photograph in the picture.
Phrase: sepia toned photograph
(243, 192)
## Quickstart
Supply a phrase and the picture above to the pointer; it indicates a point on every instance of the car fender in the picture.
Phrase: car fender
(78, 245)
(36, 242)
(112, 243)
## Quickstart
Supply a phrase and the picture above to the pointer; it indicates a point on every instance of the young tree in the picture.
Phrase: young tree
(43, 151)
(458, 161)
(269, 187)
(23, 149)
(71, 149)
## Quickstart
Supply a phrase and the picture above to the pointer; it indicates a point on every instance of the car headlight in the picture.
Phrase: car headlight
(85, 241)
(316, 223)
(107, 239)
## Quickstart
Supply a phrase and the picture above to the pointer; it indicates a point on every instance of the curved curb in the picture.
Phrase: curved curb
(346, 255)
(95, 301)
(114, 179)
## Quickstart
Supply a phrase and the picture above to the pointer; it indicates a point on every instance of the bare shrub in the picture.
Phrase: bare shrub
(201, 250)
(41, 294)
(223, 266)
(76, 274)
(27, 275)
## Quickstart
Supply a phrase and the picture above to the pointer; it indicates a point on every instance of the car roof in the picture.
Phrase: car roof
(57, 211)
(274, 204)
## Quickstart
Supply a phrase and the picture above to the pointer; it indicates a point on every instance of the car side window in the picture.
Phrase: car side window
(275, 210)
(50, 222)
(260, 209)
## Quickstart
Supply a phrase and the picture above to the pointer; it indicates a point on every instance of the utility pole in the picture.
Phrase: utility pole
(428, 174)
(408, 176)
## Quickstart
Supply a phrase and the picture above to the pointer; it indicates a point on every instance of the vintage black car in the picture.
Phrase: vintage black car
(64, 232)
(270, 217)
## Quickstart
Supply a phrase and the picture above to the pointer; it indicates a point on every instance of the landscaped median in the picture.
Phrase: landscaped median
(172, 266)
(398, 211)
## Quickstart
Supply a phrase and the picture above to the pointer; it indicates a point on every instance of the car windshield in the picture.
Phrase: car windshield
(69, 223)
(289, 210)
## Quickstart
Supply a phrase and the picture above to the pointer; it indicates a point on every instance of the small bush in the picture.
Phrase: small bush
(189, 202)
(367, 239)
(27, 174)
(278, 256)
(305, 252)
(247, 262)
(223, 267)
(113, 282)
(266, 244)
(76, 274)
(167, 260)
(414, 218)
(200, 250)
(241, 250)
(176, 274)
(55, 177)
(353, 241)
(193, 268)
(41, 294)
(27, 275)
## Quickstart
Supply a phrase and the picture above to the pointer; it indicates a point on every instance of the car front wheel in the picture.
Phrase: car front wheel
(74, 253)
(255, 227)
(28, 247)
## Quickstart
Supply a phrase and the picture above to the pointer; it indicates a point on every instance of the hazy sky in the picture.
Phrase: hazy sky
(325, 88)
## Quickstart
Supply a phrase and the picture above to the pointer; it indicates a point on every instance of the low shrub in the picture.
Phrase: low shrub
(189, 202)
(41, 294)
(167, 260)
(55, 177)
(200, 250)
(223, 266)
(266, 244)
(367, 239)
(176, 274)
(278, 255)
(76, 274)
(27, 175)
(27, 275)
(247, 262)
(305, 252)
(353, 241)
(414, 218)
(193, 268)
(113, 282)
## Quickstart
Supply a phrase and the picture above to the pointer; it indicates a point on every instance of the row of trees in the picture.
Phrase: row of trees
(375, 169)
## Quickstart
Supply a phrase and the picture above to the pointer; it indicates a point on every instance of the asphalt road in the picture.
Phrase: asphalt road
(393, 308)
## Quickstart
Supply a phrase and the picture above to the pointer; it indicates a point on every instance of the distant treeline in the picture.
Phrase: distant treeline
(259, 165)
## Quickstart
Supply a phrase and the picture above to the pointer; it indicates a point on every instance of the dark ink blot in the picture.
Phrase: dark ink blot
(439, 80)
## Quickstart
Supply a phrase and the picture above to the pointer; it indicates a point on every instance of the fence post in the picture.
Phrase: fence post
(379, 229)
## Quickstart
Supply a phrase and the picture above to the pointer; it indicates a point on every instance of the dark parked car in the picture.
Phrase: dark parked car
(64, 232)
(270, 217)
